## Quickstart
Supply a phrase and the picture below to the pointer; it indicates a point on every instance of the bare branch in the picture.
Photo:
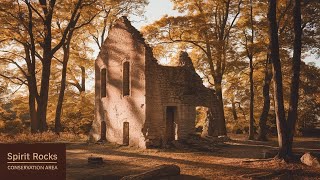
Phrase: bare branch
(34, 9)
(87, 22)
(288, 5)
(72, 22)
(234, 19)
(60, 61)
(11, 79)
(17, 89)
(15, 63)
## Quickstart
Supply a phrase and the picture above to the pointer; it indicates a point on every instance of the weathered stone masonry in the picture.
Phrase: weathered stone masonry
(139, 102)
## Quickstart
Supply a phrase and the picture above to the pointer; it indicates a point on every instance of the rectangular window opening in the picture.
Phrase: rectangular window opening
(103, 82)
(126, 79)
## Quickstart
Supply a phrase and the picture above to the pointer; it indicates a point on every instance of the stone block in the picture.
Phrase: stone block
(310, 160)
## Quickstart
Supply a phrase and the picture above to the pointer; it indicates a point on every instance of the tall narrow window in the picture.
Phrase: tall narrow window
(103, 82)
(126, 79)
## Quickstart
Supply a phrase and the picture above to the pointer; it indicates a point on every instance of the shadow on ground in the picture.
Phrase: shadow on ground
(113, 177)
(232, 160)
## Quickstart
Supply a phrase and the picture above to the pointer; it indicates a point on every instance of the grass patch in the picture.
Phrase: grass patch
(42, 137)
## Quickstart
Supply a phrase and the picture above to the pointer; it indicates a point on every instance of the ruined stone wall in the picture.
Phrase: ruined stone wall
(180, 87)
(153, 89)
(116, 108)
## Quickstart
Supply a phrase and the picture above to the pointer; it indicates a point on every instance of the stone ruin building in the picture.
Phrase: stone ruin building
(139, 102)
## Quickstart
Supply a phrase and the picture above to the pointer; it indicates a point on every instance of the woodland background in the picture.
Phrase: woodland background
(47, 60)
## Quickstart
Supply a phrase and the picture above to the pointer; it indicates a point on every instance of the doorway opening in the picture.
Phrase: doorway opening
(103, 133)
(171, 123)
(126, 133)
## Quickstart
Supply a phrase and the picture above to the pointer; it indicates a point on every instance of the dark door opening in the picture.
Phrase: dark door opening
(126, 133)
(171, 113)
(103, 131)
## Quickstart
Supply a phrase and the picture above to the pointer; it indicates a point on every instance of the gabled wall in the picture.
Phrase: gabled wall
(116, 108)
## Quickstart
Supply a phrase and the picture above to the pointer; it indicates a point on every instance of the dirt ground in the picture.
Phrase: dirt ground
(233, 159)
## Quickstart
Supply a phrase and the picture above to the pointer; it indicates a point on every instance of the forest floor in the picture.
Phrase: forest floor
(237, 158)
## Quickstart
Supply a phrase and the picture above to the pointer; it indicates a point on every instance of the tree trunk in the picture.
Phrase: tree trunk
(83, 79)
(221, 122)
(234, 110)
(251, 125)
(32, 108)
(250, 56)
(30, 59)
(277, 76)
(66, 55)
(222, 130)
(46, 66)
(32, 87)
(266, 103)
(294, 88)
(57, 126)
(242, 110)
(43, 99)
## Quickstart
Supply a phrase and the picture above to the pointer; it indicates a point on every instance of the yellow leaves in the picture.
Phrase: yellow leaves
(242, 21)
(192, 7)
